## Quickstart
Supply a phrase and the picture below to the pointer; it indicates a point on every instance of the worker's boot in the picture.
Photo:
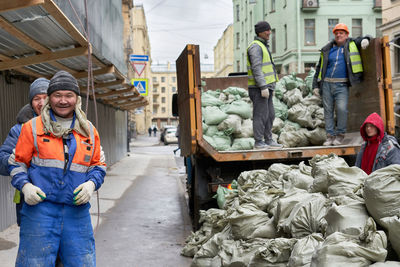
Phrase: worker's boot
(329, 140)
(272, 144)
(260, 145)
(338, 140)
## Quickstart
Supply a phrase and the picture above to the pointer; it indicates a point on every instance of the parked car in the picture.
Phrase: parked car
(163, 130)
(170, 136)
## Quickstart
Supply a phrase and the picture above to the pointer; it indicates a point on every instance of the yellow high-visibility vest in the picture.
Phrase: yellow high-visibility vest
(267, 68)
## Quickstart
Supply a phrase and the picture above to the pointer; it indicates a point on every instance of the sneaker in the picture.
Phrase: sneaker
(329, 140)
(260, 145)
(338, 140)
(273, 144)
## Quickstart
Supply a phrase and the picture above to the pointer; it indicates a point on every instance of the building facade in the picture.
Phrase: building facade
(164, 85)
(223, 53)
(141, 46)
(300, 28)
(391, 27)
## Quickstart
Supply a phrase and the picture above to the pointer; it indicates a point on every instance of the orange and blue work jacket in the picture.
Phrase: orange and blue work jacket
(57, 165)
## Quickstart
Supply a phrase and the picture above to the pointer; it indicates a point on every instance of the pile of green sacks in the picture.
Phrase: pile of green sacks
(227, 116)
(322, 214)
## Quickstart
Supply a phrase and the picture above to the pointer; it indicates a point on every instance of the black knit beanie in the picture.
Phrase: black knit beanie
(262, 26)
(63, 80)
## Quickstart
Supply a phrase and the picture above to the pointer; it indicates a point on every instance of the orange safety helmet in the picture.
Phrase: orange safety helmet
(342, 27)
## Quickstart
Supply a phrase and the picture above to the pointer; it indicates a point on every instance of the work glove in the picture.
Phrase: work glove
(11, 159)
(32, 194)
(83, 193)
(102, 156)
(265, 93)
(364, 43)
(316, 92)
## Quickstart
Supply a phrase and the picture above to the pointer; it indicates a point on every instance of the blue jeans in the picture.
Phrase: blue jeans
(50, 228)
(335, 95)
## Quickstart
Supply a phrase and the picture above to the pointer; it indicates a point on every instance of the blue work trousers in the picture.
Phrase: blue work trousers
(335, 95)
(50, 228)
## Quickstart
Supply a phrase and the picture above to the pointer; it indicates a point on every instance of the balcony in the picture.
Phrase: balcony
(310, 5)
(377, 5)
(156, 92)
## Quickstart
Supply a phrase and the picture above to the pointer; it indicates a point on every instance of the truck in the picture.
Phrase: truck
(207, 168)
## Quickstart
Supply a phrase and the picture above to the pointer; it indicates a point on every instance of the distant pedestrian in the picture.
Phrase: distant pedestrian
(155, 130)
(149, 130)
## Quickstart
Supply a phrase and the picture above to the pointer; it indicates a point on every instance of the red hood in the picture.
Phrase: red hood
(376, 120)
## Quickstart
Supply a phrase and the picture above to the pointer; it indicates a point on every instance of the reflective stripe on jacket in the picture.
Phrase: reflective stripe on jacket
(40, 160)
(267, 67)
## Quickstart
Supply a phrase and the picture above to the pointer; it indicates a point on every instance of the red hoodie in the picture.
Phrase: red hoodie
(372, 143)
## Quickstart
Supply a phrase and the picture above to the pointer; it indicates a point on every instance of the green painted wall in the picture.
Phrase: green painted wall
(291, 14)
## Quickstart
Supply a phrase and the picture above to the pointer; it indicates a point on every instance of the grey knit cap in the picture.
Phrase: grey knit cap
(39, 86)
(262, 26)
(63, 80)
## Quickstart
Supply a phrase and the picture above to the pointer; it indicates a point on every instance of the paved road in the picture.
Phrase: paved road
(149, 223)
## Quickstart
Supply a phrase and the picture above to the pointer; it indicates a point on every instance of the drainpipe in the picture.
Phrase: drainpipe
(298, 36)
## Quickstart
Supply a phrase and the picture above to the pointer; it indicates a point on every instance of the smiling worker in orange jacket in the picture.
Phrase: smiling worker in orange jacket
(57, 166)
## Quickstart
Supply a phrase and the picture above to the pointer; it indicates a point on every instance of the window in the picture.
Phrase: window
(378, 23)
(238, 40)
(173, 79)
(237, 65)
(284, 3)
(272, 6)
(155, 110)
(237, 13)
(356, 27)
(247, 38)
(273, 41)
(397, 55)
(155, 89)
(162, 110)
(154, 79)
(331, 24)
(309, 32)
(285, 36)
(162, 89)
(162, 79)
(251, 21)
(162, 99)
(173, 89)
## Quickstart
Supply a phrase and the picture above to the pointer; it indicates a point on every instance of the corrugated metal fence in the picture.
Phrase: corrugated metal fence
(112, 127)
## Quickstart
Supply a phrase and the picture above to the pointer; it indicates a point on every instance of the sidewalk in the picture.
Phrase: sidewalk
(119, 177)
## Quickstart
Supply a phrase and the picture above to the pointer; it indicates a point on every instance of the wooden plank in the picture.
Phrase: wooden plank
(140, 104)
(390, 120)
(32, 73)
(104, 85)
(8, 5)
(63, 20)
(45, 57)
(131, 98)
(102, 71)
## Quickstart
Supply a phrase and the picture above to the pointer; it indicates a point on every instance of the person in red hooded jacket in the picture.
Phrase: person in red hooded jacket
(380, 149)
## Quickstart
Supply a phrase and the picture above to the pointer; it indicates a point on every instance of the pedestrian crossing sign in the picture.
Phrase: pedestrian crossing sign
(141, 86)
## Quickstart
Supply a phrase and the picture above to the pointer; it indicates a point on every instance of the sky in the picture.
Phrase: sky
(174, 23)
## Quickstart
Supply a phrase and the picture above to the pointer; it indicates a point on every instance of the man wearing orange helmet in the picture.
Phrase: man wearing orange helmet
(339, 68)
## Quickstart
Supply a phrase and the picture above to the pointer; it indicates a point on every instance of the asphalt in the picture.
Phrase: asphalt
(127, 182)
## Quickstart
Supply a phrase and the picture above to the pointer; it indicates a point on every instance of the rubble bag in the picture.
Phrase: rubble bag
(213, 115)
(392, 224)
(304, 249)
(274, 252)
(341, 249)
(320, 167)
(231, 125)
(293, 97)
(240, 108)
(246, 129)
(222, 142)
(382, 192)
(243, 144)
(236, 91)
(210, 100)
(300, 114)
(211, 130)
(281, 110)
(317, 136)
(277, 125)
(343, 180)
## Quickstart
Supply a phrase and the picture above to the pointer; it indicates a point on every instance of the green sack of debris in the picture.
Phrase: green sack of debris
(293, 97)
(220, 195)
(205, 127)
(280, 89)
(246, 129)
(236, 91)
(290, 82)
(294, 138)
(317, 136)
(309, 80)
(222, 142)
(211, 130)
(210, 100)
(277, 125)
(240, 108)
(231, 125)
(243, 144)
(214, 93)
(281, 110)
(209, 140)
(300, 114)
(213, 115)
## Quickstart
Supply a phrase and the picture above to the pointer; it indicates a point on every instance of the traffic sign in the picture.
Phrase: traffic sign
(138, 58)
(141, 86)
(138, 67)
